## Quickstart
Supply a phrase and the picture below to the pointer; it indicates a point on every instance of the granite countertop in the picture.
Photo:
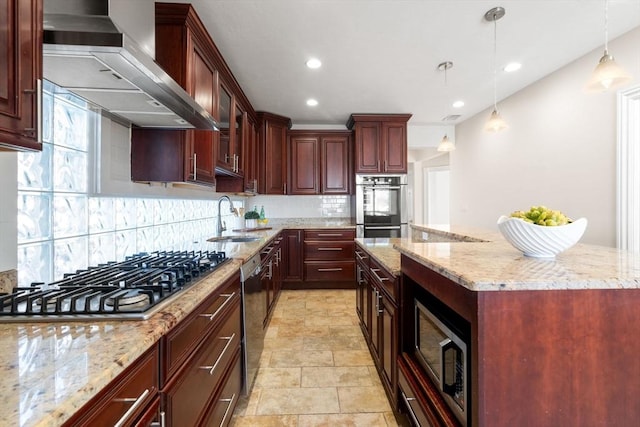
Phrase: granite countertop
(481, 260)
(51, 369)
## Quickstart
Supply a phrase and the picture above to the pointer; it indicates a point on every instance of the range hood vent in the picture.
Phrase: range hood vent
(85, 53)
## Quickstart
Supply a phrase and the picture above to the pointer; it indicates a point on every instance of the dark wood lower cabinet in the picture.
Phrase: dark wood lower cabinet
(127, 398)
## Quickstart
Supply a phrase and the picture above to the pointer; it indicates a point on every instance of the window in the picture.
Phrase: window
(62, 227)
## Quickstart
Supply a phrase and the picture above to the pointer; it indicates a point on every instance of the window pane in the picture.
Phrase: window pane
(34, 216)
(47, 117)
(69, 170)
(70, 255)
(34, 263)
(101, 214)
(70, 125)
(69, 215)
(34, 169)
(102, 248)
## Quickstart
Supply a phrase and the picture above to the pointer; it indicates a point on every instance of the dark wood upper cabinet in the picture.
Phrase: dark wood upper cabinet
(380, 142)
(272, 153)
(319, 162)
(180, 155)
(20, 72)
(304, 177)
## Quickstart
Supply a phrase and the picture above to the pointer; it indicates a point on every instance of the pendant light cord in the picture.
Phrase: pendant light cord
(495, 54)
(606, 27)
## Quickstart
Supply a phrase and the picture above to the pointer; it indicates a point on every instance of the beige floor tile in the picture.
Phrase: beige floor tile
(334, 343)
(280, 401)
(292, 359)
(303, 331)
(350, 376)
(346, 330)
(352, 358)
(247, 405)
(342, 420)
(287, 343)
(268, 378)
(362, 399)
(265, 421)
(330, 321)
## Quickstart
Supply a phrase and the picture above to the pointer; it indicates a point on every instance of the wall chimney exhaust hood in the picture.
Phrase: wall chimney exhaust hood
(85, 53)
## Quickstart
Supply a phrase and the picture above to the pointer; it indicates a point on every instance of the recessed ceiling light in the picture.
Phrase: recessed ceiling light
(458, 104)
(312, 102)
(513, 66)
(314, 63)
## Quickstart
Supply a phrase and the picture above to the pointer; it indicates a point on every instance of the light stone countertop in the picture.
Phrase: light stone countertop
(50, 370)
(481, 260)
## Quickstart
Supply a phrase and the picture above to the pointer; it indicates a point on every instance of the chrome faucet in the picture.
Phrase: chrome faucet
(220, 225)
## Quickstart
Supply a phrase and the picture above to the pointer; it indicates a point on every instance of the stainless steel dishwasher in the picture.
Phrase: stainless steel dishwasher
(253, 314)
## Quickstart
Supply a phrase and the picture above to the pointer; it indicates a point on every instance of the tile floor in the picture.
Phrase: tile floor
(316, 369)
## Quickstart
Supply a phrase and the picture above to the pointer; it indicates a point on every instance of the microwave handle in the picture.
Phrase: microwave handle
(445, 345)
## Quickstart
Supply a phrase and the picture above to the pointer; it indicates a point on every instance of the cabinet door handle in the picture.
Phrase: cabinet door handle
(229, 406)
(195, 166)
(213, 367)
(374, 271)
(134, 407)
(377, 303)
(38, 129)
(411, 413)
(285, 188)
(330, 269)
(213, 316)
(329, 249)
(384, 165)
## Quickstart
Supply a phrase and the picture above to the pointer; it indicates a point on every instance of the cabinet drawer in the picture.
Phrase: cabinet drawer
(222, 407)
(337, 271)
(409, 400)
(330, 234)
(183, 339)
(135, 388)
(385, 279)
(190, 390)
(328, 250)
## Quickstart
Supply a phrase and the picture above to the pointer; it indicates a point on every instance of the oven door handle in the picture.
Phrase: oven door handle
(383, 187)
(380, 227)
(446, 345)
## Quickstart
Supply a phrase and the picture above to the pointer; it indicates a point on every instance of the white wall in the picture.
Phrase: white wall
(559, 150)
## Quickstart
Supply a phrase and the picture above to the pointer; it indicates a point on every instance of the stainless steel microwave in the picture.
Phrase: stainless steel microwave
(443, 354)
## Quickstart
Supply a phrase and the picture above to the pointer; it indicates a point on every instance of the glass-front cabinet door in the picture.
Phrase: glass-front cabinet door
(239, 141)
(227, 134)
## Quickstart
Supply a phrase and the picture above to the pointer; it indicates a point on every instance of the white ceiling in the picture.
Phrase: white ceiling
(381, 56)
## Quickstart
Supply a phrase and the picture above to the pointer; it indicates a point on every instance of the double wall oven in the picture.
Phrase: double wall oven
(380, 205)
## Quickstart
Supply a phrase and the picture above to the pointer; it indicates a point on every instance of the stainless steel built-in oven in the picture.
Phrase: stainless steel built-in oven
(443, 351)
(381, 205)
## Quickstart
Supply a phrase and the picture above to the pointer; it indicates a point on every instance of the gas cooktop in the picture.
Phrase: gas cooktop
(133, 289)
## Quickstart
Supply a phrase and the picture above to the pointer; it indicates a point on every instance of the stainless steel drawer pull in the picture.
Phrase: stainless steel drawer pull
(329, 249)
(329, 234)
(228, 297)
(136, 404)
(330, 269)
(375, 273)
(409, 408)
(213, 367)
(360, 256)
(162, 422)
(228, 410)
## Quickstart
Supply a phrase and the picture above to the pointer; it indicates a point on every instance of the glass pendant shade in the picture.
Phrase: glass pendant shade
(496, 123)
(607, 75)
(446, 145)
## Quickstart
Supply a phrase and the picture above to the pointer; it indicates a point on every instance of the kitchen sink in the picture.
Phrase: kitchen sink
(234, 239)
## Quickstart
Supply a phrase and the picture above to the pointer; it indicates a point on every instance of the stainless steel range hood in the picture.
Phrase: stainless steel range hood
(86, 53)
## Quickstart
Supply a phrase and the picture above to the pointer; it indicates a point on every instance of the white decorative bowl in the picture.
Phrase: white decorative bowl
(540, 241)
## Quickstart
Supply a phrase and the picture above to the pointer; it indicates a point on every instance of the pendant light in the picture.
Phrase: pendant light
(607, 74)
(496, 123)
(446, 144)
